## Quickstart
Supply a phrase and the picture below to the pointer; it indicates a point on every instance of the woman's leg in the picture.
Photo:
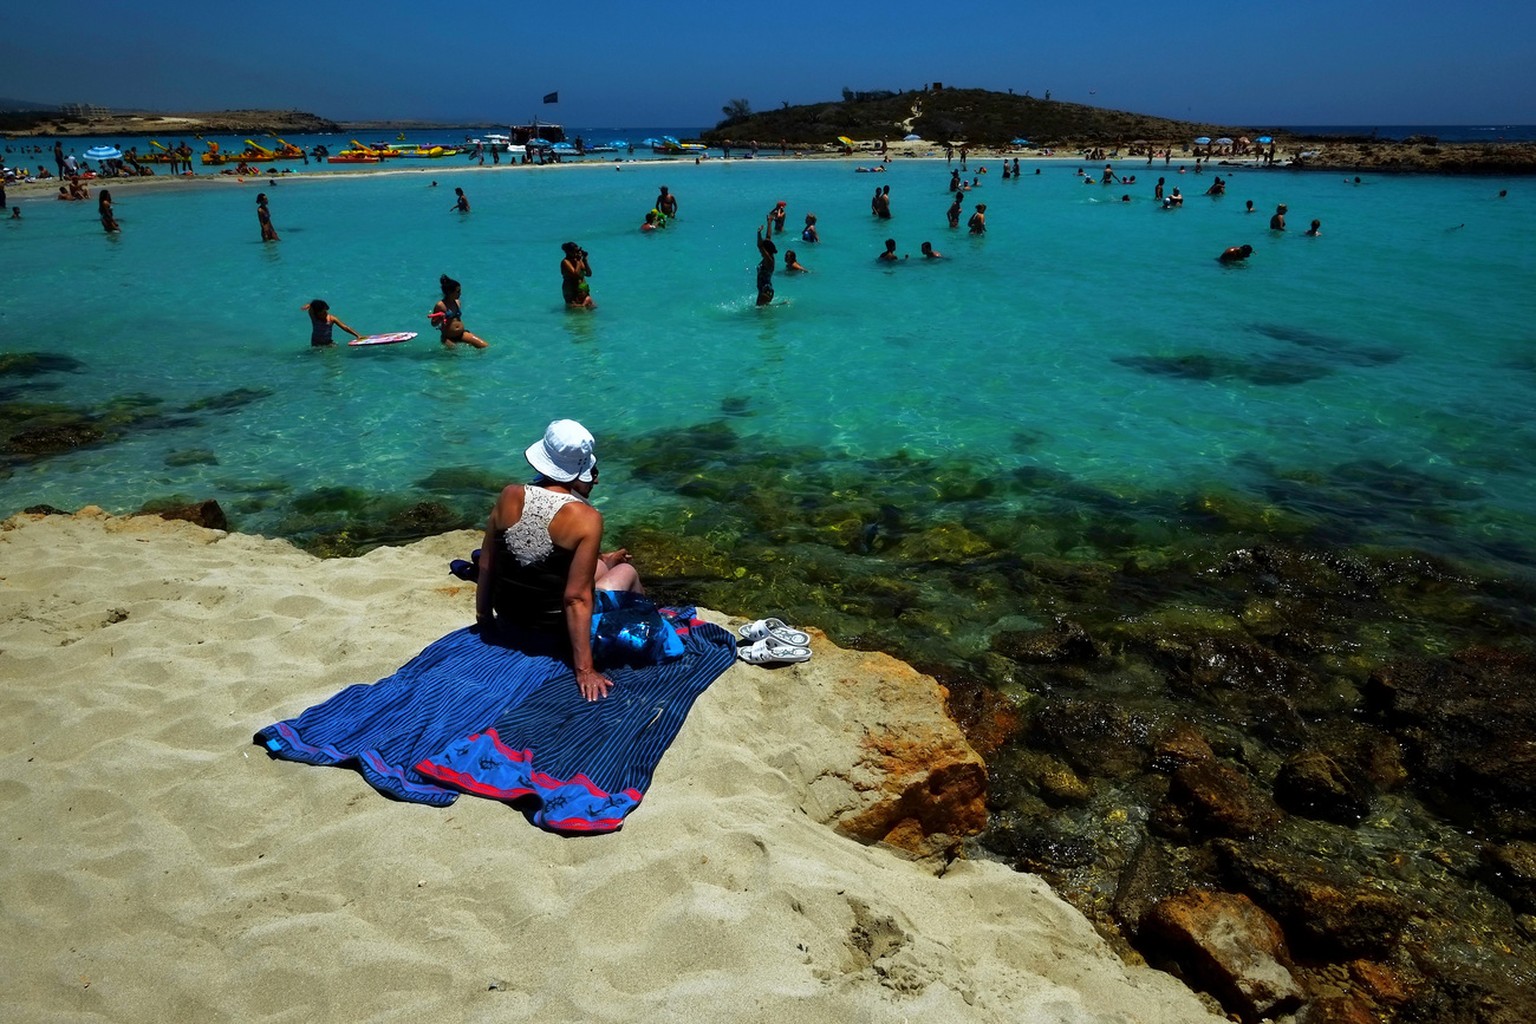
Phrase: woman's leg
(619, 577)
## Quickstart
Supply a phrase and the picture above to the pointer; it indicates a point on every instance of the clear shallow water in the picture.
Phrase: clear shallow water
(1379, 377)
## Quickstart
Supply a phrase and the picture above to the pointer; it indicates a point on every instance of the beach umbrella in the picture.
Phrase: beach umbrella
(619, 143)
(912, 138)
(845, 140)
(564, 147)
(1242, 140)
(1019, 142)
(1264, 140)
(103, 153)
(1223, 142)
(650, 142)
(1204, 140)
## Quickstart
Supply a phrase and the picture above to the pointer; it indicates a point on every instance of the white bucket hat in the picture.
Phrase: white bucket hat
(564, 453)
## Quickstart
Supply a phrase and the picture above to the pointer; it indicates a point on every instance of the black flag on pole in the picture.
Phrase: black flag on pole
(552, 97)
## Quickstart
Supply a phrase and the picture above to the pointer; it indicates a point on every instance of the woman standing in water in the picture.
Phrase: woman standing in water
(978, 221)
(104, 207)
(448, 317)
(575, 268)
(264, 218)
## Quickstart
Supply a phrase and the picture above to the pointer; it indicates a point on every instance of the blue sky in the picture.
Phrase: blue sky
(625, 64)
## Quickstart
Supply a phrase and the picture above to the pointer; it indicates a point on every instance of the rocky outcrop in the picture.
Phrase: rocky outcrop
(206, 513)
(890, 765)
(1228, 946)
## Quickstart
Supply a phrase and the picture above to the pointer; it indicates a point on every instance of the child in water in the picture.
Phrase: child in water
(448, 317)
(321, 321)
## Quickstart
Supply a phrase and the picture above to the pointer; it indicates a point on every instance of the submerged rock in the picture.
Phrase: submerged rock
(1065, 641)
(1214, 799)
(1326, 910)
(1510, 871)
(1314, 785)
(1468, 726)
(37, 442)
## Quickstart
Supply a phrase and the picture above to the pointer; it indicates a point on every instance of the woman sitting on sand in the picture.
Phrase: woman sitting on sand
(541, 566)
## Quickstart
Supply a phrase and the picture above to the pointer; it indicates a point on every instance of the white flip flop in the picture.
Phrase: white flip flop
(776, 629)
(769, 652)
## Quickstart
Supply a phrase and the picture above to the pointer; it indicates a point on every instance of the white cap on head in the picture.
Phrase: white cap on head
(564, 453)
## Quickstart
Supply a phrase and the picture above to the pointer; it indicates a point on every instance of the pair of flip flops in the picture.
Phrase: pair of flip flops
(773, 642)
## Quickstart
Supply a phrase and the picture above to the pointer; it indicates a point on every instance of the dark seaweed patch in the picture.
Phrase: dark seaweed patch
(229, 401)
(1201, 367)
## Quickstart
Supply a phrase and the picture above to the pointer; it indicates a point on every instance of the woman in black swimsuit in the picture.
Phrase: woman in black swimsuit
(264, 218)
(104, 207)
(767, 251)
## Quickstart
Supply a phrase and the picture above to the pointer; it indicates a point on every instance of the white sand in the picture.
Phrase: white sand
(156, 866)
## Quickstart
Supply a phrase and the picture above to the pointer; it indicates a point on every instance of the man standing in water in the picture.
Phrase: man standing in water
(666, 203)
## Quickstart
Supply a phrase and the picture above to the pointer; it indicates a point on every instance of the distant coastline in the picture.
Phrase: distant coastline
(986, 120)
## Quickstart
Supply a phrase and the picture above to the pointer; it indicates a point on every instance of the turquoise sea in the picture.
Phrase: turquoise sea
(1393, 355)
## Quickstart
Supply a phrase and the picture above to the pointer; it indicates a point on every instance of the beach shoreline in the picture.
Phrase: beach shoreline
(1513, 159)
(144, 829)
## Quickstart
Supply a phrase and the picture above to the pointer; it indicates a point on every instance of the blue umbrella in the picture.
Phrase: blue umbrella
(1019, 142)
(1204, 140)
(103, 153)
(1223, 141)
(1264, 139)
(564, 147)
(619, 143)
(912, 138)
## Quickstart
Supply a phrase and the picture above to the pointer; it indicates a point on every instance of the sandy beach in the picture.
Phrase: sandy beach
(158, 866)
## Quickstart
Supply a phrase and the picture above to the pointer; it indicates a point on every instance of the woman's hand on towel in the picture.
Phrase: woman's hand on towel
(593, 684)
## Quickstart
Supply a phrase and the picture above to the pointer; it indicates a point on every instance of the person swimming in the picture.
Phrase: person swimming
(929, 253)
(889, 255)
(792, 264)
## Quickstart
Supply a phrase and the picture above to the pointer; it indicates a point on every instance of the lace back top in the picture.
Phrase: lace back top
(530, 585)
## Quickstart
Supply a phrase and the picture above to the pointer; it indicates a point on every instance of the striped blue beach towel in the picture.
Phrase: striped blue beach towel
(508, 722)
